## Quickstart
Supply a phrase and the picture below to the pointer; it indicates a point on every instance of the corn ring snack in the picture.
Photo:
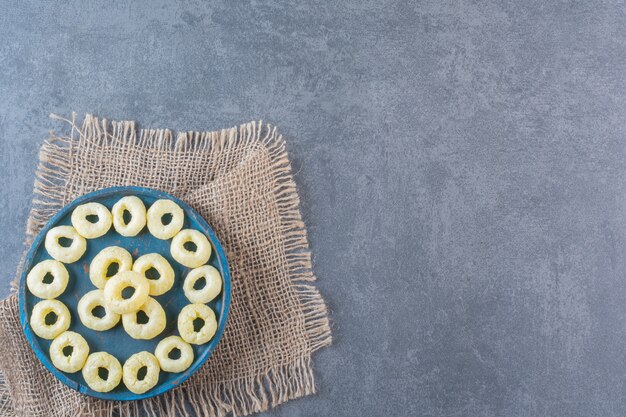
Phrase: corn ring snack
(86, 306)
(135, 323)
(165, 280)
(212, 286)
(50, 318)
(48, 279)
(114, 287)
(102, 372)
(132, 374)
(69, 351)
(105, 259)
(167, 348)
(189, 257)
(137, 210)
(165, 219)
(63, 253)
(196, 323)
(82, 216)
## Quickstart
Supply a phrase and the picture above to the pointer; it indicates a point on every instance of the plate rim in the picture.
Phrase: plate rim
(37, 243)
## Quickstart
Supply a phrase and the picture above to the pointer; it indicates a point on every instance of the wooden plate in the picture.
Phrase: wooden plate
(116, 341)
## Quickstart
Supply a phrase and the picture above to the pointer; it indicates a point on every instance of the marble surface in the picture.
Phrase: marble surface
(461, 167)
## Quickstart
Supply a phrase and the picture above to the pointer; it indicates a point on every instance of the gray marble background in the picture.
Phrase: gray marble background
(462, 168)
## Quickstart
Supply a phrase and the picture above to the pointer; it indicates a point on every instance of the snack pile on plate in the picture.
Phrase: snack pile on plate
(123, 291)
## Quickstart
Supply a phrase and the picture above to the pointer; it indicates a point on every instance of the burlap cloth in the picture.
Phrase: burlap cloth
(240, 181)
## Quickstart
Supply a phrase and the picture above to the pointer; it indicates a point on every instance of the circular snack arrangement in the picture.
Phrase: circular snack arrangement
(137, 307)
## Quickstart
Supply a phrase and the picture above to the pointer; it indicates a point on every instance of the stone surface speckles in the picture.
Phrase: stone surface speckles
(461, 166)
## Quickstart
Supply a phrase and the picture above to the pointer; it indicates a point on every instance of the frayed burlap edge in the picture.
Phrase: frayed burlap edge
(239, 397)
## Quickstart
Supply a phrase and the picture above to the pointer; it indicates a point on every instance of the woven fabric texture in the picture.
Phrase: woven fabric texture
(240, 181)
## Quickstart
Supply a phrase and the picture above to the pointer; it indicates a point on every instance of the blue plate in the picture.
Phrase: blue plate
(116, 341)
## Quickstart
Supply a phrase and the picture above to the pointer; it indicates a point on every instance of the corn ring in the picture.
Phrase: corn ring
(69, 351)
(102, 372)
(37, 279)
(189, 257)
(86, 306)
(151, 311)
(65, 254)
(114, 287)
(165, 280)
(132, 374)
(50, 318)
(212, 286)
(82, 216)
(200, 317)
(105, 259)
(165, 219)
(166, 348)
(137, 210)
